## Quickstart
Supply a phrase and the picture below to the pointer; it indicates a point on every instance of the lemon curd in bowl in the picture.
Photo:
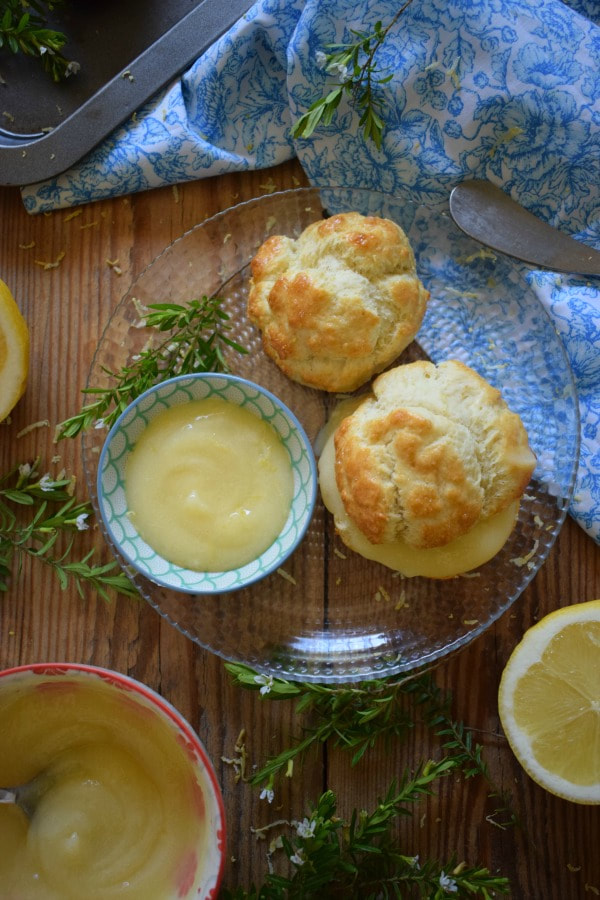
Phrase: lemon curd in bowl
(130, 807)
(206, 483)
(209, 485)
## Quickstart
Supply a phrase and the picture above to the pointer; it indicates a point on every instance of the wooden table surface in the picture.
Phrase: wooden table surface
(553, 854)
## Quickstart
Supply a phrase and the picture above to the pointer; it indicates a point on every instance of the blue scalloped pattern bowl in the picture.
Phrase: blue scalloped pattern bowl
(122, 439)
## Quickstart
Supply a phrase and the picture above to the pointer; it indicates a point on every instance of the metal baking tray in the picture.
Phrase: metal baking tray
(128, 50)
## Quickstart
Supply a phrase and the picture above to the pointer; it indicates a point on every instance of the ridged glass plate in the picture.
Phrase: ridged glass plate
(330, 615)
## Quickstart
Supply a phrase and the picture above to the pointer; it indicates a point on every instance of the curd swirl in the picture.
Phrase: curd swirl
(209, 485)
(123, 815)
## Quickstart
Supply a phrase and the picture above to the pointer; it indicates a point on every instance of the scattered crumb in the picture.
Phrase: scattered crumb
(51, 265)
(573, 868)
(591, 889)
(175, 190)
(270, 223)
(114, 265)
(28, 246)
(227, 237)
(287, 576)
(339, 553)
(521, 561)
(43, 423)
(269, 186)
(338, 581)
(89, 224)
(401, 602)
(484, 253)
(470, 621)
(72, 215)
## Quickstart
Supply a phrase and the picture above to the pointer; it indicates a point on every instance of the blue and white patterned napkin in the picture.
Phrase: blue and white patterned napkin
(507, 90)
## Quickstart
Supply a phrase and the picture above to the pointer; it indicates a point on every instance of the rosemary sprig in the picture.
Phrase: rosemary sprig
(23, 30)
(197, 333)
(357, 69)
(357, 716)
(363, 859)
(34, 513)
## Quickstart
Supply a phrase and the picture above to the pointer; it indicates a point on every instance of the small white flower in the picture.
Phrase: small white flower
(306, 828)
(266, 681)
(448, 884)
(25, 470)
(46, 483)
(320, 59)
(267, 794)
(81, 523)
(99, 423)
(298, 858)
(414, 862)
(72, 68)
(341, 71)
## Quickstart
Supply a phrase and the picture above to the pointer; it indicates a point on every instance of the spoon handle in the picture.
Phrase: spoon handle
(489, 215)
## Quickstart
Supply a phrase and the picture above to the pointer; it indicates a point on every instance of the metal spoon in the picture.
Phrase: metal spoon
(489, 215)
(27, 796)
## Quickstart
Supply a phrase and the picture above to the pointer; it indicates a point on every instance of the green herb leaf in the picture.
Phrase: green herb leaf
(34, 513)
(355, 64)
(196, 335)
(23, 30)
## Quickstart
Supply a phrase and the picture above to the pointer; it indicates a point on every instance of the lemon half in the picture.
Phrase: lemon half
(14, 352)
(549, 702)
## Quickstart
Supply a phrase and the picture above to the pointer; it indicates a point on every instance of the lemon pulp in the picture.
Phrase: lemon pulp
(549, 702)
(14, 352)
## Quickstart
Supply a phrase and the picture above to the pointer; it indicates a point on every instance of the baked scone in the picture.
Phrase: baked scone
(427, 472)
(338, 304)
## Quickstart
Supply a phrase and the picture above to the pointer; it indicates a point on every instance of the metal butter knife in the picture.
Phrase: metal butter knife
(489, 215)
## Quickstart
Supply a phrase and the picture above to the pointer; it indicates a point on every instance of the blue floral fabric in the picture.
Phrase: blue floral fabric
(507, 90)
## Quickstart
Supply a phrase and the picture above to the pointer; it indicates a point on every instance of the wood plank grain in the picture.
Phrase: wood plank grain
(553, 854)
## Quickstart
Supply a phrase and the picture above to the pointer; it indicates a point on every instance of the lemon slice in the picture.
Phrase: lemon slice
(549, 702)
(14, 352)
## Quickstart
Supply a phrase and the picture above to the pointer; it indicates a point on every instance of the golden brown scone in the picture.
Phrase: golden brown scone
(339, 303)
(429, 454)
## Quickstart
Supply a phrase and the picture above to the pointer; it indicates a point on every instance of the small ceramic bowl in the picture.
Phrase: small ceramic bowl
(132, 795)
(128, 429)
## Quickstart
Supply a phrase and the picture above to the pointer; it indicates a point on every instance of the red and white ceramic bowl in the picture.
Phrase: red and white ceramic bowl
(130, 777)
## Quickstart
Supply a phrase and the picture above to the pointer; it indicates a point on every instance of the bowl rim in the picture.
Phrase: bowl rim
(165, 708)
(201, 589)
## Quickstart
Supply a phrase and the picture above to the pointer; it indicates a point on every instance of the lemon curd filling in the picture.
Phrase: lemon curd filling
(209, 485)
(122, 816)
